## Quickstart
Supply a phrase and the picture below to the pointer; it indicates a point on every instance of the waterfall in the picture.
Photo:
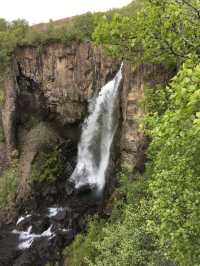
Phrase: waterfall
(97, 136)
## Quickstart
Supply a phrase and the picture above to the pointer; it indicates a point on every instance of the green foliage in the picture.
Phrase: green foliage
(132, 8)
(18, 33)
(156, 99)
(165, 32)
(78, 28)
(162, 31)
(8, 185)
(174, 169)
(47, 166)
(126, 240)
(154, 104)
(123, 239)
(115, 35)
(81, 249)
(3, 24)
(11, 35)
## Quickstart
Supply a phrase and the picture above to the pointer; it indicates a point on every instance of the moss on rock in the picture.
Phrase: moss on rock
(47, 166)
(9, 181)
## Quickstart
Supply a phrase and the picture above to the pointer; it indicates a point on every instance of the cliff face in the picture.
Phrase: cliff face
(133, 142)
(46, 100)
(47, 93)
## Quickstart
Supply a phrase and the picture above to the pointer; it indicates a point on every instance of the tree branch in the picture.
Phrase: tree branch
(195, 9)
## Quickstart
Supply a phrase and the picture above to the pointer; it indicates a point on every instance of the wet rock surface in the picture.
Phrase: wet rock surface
(48, 220)
(39, 237)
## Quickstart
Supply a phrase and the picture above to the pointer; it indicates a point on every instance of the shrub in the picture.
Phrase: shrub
(123, 239)
(82, 247)
(47, 166)
(174, 169)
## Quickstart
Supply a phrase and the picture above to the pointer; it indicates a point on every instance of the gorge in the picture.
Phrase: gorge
(46, 102)
(99, 162)
(105, 106)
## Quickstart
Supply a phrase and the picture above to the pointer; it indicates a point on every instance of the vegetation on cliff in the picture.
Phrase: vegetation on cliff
(123, 239)
(18, 33)
(174, 168)
(76, 29)
(9, 182)
(162, 227)
(47, 166)
(161, 32)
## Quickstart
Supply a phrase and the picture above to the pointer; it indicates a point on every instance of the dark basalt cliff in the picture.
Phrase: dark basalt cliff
(46, 100)
(51, 88)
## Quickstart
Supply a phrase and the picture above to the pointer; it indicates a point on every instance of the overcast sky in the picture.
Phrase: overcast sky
(36, 11)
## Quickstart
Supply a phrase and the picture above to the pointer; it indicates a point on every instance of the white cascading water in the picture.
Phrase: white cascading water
(96, 138)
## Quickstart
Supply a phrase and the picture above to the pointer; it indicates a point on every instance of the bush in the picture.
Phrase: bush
(157, 32)
(47, 166)
(82, 250)
(11, 35)
(123, 239)
(174, 169)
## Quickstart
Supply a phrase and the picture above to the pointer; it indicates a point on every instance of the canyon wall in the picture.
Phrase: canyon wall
(46, 99)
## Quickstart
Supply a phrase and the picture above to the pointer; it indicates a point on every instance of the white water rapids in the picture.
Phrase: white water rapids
(96, 138)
